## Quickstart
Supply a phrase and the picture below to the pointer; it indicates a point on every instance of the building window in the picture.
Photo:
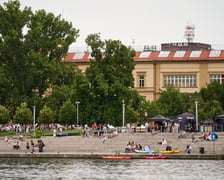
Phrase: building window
(141, 81)
(180, 80)
(216, 77)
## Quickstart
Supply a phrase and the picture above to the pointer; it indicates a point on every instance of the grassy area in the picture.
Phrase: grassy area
(70, 132)
(40, 133)
(10, 133)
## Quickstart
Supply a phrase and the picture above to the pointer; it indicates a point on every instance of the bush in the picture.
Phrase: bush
(38, 134)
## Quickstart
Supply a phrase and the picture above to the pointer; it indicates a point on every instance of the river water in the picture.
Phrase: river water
(60, 169)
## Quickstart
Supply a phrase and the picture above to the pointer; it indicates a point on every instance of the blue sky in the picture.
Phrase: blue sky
(147, 22)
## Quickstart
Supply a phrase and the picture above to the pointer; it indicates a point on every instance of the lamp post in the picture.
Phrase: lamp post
(196, 114)
(34, 120)
(77, 106)
(123, 112)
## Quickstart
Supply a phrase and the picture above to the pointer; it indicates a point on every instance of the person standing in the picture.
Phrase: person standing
(147, 126)
(54, 132)
(32, 145)
(27, 145)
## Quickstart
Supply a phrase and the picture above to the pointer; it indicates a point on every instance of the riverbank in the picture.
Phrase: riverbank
(94, 148)
(100, 155)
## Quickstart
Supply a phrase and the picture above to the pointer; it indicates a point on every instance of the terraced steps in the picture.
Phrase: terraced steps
(80, 144)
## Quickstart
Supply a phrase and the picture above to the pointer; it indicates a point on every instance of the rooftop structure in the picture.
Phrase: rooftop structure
(189, 33)
(186, 46)
(147, 56)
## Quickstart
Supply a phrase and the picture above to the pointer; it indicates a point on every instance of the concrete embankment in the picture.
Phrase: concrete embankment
(93, 147)
(100, 155)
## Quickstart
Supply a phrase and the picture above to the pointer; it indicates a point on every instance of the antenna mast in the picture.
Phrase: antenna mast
(189, 33)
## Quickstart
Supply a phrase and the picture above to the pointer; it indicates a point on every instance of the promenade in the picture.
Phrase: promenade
(93, 147)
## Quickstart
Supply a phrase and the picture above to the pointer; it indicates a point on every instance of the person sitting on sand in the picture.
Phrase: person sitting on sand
(6, 139)
(182, 134)
(168, 148)
(163, 142)
(128, 148)
(188, 149)
(139, 147)
(16, 145)
(133, 146)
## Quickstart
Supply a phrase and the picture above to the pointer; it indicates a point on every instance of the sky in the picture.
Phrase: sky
(139, 22)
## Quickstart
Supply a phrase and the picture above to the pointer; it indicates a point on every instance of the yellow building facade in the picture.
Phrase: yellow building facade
(154, 70)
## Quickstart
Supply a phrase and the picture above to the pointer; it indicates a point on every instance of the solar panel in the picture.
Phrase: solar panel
(214, 53)
(164, 53)
(195, 54)
(144, 54)
(179, 53)
(78, 55)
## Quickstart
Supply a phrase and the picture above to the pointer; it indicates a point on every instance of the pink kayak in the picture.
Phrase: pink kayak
(156, 157)
(116, 157)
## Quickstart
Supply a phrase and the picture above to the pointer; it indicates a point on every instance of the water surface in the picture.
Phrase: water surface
(28, 168)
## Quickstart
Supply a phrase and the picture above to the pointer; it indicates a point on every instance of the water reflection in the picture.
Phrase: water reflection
(110, 169)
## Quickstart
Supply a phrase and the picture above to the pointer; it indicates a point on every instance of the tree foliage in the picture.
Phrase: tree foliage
(171, 101)
(4, 115)
(23, 115)
(31, 48)
(155, 109)
(108, 81)
(32, 45)
(67, 114)
(46, 116)
(213, 91)
(212, 100)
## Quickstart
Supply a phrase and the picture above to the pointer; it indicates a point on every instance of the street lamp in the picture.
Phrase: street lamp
(123, 112)
(196, 114)
(34, 120)
(77, 106)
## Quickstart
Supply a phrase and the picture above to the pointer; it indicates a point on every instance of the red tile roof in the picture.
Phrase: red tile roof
(159, 56)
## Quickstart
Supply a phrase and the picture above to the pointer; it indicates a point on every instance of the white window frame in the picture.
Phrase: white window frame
(141, 81)
(216, 77)
(180, 80)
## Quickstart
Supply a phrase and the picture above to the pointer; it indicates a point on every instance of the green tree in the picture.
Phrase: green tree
(109, 79)
(4, 86)
(23, 115)
(31, 48)
(46, 116)
(213, 91)
(67, 114)
(4, 115)
(172, 102)
(59, 95)
(155, 109)
(211, 109)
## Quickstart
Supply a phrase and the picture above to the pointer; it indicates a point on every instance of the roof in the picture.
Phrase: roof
(185, 116)
(159, 118)
(147, 56)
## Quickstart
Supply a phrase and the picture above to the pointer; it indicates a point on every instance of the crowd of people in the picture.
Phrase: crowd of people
(105, 131)
(29, 145)
(133, 147)
(208, 136)
(100, 130)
